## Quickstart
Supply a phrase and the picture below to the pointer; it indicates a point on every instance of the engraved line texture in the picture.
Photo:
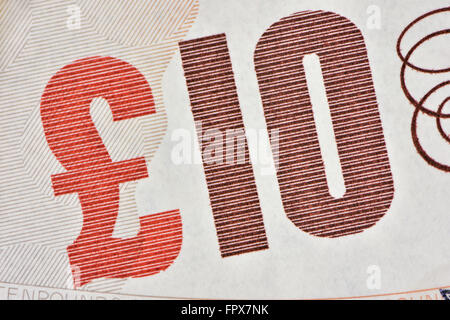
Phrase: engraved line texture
(30, 213)
(232, 189)
(355, 117)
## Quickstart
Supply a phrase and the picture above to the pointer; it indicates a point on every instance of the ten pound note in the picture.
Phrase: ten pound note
(224, 149)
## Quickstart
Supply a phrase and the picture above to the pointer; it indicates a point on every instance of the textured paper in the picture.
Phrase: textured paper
(405, 251)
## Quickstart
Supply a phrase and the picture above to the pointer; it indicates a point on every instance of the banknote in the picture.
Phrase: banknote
(17, 292)
(288, 149)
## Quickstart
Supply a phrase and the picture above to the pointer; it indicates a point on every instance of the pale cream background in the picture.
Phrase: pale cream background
(409, 244)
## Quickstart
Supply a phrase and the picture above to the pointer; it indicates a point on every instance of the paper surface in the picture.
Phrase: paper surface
(403, 250)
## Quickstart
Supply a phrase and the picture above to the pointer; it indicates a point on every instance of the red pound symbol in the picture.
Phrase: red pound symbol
(74, 140)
